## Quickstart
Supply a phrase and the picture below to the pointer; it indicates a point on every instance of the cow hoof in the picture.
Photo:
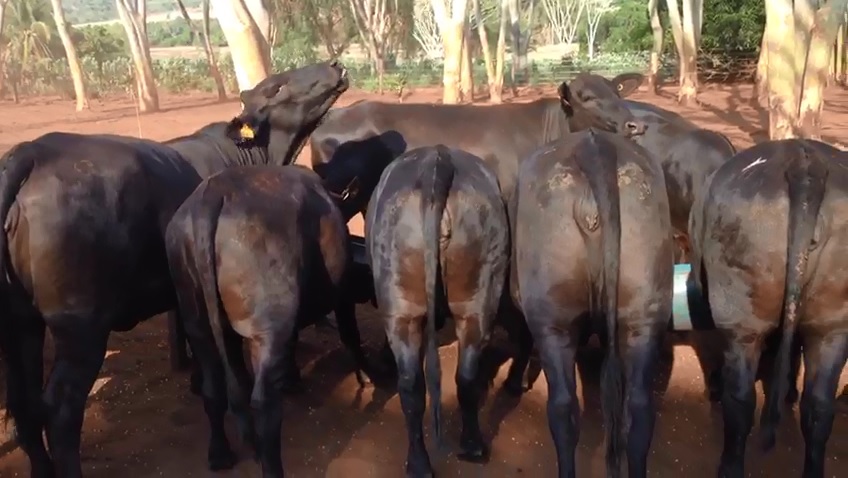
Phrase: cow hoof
(222, 460)
(474, 453)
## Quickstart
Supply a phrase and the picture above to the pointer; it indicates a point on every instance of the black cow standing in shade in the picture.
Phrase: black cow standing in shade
(257, 253)
(577, 201)
(438, 242)
(83, 253)
(769, 255)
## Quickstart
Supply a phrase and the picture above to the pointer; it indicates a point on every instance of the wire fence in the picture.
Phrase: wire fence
(183, 74)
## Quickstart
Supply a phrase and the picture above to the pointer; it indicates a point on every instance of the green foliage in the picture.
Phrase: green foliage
(87, 11)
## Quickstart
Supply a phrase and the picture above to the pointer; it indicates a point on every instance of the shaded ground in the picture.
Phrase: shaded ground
(142, 421)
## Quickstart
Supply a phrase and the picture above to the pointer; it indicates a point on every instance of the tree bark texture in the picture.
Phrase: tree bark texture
(248, 47)
(134, 22)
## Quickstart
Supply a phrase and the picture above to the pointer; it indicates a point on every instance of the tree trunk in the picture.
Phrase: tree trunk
(761, 82)
(210, 52)
(71, 54)
(148, 97)
(2, 46)
(656, 52)
(452, 33)
(248, 47)
(839, 56)
(515, 37)
(484, 46)
(783, 99)
(687, 95)
(822, 36)
(466, 74)
(500, 53)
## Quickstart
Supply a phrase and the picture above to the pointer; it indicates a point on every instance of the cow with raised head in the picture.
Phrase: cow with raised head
(577, 201)
(438, 243)
(769, 252)
(83, 252)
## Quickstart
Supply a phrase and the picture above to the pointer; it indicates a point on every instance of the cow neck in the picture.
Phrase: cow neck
(556, 122)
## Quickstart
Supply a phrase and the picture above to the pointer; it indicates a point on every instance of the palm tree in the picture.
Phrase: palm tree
(29, 29)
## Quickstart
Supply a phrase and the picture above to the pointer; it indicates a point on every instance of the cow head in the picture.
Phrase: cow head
(291, 104)
(592, 101)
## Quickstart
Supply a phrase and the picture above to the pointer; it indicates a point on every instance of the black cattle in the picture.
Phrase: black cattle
(769, 254)
(257, 253)
(501, 135)
(687, 153)
(438, 242)
(577, 201)
(83, 245)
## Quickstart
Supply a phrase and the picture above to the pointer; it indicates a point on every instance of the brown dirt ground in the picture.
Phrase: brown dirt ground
(143, 422)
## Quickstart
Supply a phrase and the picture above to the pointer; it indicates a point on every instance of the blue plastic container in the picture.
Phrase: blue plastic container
(680, 319)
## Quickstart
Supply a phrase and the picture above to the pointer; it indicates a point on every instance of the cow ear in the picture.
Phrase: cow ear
(565, 98)
(627, 83)
(244, 96)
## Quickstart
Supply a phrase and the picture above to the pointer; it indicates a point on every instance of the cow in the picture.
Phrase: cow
(372, 134)
(769, 250)
(257, 253)
(687, 154)
(577, 200)
(437, 240)
(83, 253)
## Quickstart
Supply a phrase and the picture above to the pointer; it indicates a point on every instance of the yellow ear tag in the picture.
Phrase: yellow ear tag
(247, 132)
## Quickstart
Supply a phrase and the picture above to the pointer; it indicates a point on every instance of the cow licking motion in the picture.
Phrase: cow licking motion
(769, 254)
(83, 252)
(576, 202)
(438, 242)
(257, 253)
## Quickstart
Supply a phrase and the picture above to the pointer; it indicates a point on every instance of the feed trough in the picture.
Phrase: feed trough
(680, 319)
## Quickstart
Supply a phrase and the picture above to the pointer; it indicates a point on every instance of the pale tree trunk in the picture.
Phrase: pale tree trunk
(248, 47)
(656, 52)
(2, 46)
(132, 18)
(466, 83)
(492, 69)
(210, 52)
(515, 44)
(839, 55)
(71, 54)
(452, 29)
(203, 34)
(761, 81)
(375, 23)
(783, 97)
(822, 36)
(687, 95)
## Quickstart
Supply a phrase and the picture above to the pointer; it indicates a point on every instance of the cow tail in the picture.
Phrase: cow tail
(205, 225)
(16, 167)
(806, 177)
(601, 170)
(436, 180)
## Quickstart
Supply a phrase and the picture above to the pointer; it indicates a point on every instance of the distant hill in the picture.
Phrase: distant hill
(90, 11)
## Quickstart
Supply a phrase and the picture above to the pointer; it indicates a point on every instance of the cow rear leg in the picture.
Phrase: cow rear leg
(641, 359)
(824, 359)
(557, 352)
(470, 332)
(738, 400)
(271, 362)
(513, 322)
(292, 379)
(406, 339)
(349, 335)
(23, 350)
(80, 350)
